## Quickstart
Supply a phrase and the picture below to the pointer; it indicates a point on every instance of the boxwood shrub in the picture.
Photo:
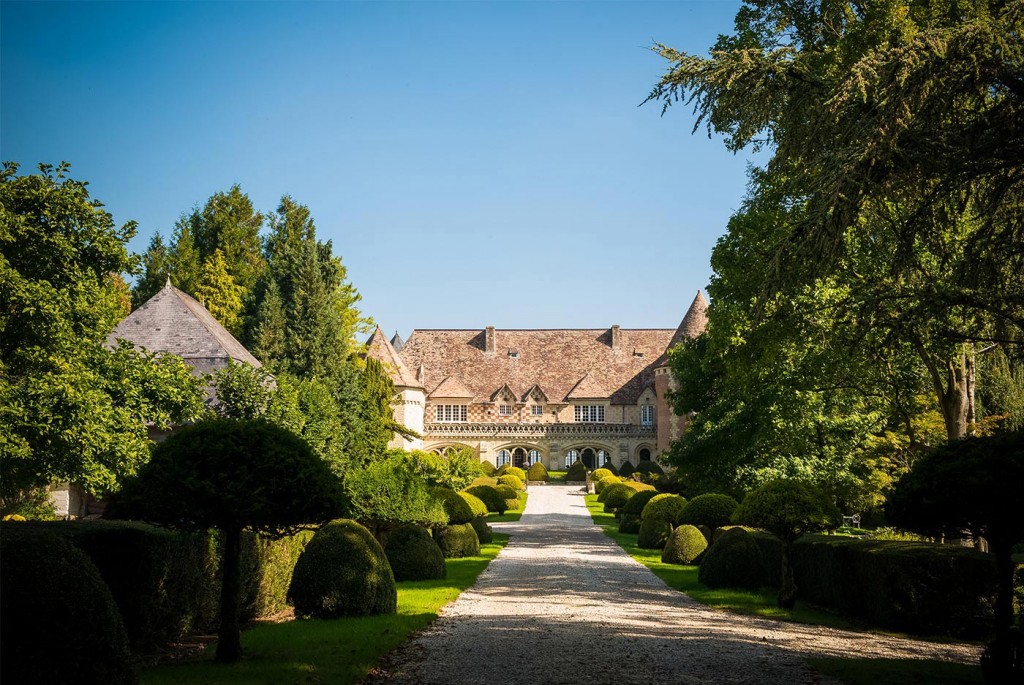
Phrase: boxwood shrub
(577, 473)
(605, 482)
(653, 533)
(615, 496)
(414, 555)
(487, 468)
(630, 523)
(489, 495)
(457, 508)
(483, 481)
(634, 506)
(733, 560)
(476, 505)
(684, 546)
(457, 541)
(664, 507)
(510, 495)
(601, 473)
(509, 470)
(650, 467)
(538, 472)
(512, 481)
(711, 510)
(483, 531)
(627, 469)
(343, 572)
(60, 622)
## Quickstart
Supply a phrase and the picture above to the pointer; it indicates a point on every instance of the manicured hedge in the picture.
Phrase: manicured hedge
(630, 523)
(487, 468)
(599, 474)
(734, 560)
(649, 467)
(634, 506)
(509, 470)
(615, 496)
(684, 546)
(711, 510)
(653, 534)
(483, 481)
(489, 495)
(664, 507)
(457, 508)
(413, 554)
(510, 495)
(577, 473)
(476, 505)
(538, 472)
(60, 622)
(627, 469)
(483, 531)
(458, 541)
(512, 481)
(605, 482)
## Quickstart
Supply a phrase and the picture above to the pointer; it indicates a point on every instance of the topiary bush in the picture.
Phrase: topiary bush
(634, 506)
(483, 481)
(414, 555)
(457, 541)
(627, 469)
(487, 468)
(630, 523)
(488, 494)
(483, 531)
(650, 467)
(343, 572)
(615, 496)
(538, 472)
(684, 546)
(511, 481)
(457, 508)
(577, 473)
(605, 482)
(611, 467)
(653, 533)
(664, 507)
(600, 474)
(509, 470)
(711, 510)
(639, 486)
(476, 505)
(60, 623)
(510, 495)
(734, 560)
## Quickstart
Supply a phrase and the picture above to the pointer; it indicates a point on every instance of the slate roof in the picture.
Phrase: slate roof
(173, 322)
(380, 349)
(397, 342)
(451, 387)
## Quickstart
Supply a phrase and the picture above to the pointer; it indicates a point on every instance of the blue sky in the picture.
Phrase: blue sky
(474, 163)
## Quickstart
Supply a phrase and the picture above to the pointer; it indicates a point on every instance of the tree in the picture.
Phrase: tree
(973, 485)
(155, 270)
(72, 409)
(219, 293)
(788, 509)
(233, 475)
(387, 493)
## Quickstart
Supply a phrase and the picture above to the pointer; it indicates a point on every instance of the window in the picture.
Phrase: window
(537, 410)
(451, 413)
(645, 454)
(504, 410)
(647, 415)
(513, 354)
(590, 413)
(571, 457)
(504, 457)
(534, 457)
(603, 458)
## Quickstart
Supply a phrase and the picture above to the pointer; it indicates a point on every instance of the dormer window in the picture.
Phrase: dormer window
(504, 410)
(513, 354)
(537, 410)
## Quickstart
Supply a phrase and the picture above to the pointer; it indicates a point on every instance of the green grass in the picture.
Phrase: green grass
(509, 515)
(896, 671)
(684, 579)
(336, 651)
(557, 476)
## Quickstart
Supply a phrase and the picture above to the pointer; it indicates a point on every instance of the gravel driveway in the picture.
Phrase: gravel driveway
(563, 603)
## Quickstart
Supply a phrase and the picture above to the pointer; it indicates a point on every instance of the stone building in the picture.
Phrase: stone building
(554, 396)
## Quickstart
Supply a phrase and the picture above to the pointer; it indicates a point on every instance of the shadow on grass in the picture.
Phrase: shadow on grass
(896, 671)
(509, 516)
(337, 651)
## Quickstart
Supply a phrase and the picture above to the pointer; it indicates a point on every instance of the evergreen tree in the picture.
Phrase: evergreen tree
(229, 223)
(185, 262)
(219, 293)
(155, 270)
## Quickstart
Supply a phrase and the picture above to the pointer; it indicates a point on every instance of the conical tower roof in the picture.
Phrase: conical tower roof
(380, 349)
(692, 325)
(397, 342)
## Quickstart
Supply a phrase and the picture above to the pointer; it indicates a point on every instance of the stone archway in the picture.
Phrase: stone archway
(519, 458)
(589, 457)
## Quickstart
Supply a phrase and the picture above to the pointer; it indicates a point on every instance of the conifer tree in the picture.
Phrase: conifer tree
(155, 270)
(219, 293)
(185, 263)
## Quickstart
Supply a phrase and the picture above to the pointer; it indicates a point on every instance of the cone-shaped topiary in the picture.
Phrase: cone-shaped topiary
(627, 469)
(476, 505)
(511, 481)
(734, 560)
(487, 468)
(414, 555)
(456, 507)
(483, 531)
(605, 482)
(538, 472)
(630, 523)
(711, 510)
(577, 473)
(488, 494)
(664, 507)
(600, 474)
(615, 496)
(458, 541)
(653, 534)
(61, 624)
(611, 467)
(649, 467)
(634, 506)
(684, 546)
(343, 572)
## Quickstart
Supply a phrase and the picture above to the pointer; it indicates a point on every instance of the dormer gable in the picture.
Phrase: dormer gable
(535, 394)
(504, 395)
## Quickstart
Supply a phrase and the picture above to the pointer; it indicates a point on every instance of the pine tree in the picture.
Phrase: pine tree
(156, 269)
(219, 293)
(185, 261)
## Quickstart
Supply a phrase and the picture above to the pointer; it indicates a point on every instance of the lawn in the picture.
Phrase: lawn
(896, 671)
(509, 515)
(336, 651)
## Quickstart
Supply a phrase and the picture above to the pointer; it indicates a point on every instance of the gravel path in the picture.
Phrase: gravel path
(563, 603)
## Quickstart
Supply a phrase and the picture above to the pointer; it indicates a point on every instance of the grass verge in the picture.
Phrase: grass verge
(896, 671)
(509, 515)
(336, 651)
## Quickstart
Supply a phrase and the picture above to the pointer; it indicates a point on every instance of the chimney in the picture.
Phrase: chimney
(489, 340)
(616, 337)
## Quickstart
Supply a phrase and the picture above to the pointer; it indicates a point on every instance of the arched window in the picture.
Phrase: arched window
(570, 457)
(603, 458)
(645, 454)
(534, 457)
(519, 457)
(504, 457)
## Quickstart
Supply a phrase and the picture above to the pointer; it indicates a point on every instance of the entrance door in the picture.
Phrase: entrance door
(589, 458)
(519, 458)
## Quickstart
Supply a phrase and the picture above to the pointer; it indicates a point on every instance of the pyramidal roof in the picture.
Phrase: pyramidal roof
(692, 325)
(380, 349)
(397, 342)
(586, 388)
(172, 322)
(452, 387)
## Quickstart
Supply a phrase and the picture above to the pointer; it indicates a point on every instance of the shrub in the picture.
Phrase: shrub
(664, 507)
(630, 523)
(483, 481)
(512, 481)
(538, 472)
(483, 531)
(653, 533)
(615, 496)
(600, 474)
(605, 482)
(413, 554)
(634, 506)
(487, 468)
(388, 492)
(60, 621)
(509, 494)
(627, 469)
(343, 572)
(711, 510)
(638, 486)
(476, 505)
(489, 495)
(577, 473)
(734, 560)
(611, 467)
(458, 541)
(650, 468)
(509, 470)
(457, 509)
(684, 546)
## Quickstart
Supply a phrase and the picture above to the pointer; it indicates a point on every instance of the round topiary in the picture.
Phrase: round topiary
(653, 534)
(684, 546)
(664, 507)
(734, 560)
(342, 572)
(639, 486)
(649, 467)
(538, 472)
(511, 481)
(483, 531)
(600, 474)
(476, 505)
(577, 473)
(634, 506)
(456, 507)
(509, 470)
(508, 492)
(615, 496)
(457, 541)
(711, 510)
(627, 469)
(414, 555)
(605, 482)
(630, 523)
(484, 481)
(487, 468)
(488, 494)
(60, 621)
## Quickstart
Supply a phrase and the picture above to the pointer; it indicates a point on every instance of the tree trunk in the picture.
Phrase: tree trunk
(951, 389)
(229, 642)
(787, 594)
(972, 378)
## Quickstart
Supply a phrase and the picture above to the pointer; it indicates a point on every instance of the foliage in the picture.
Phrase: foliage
(476, 505)
(605, 482)
(490, 496)
(483, 531)
(711, 510)
(388, 492)
(509, 493)
(456, 469)
(50, 590)
(71, 409)
(630, 523)
(615, 495)
(456, 508)
(664, 507)
(788, 509)
(684, 546)
(648, 468)
(733, 560)
(653, 533)
(487, 469)
(218, 292)
(457, 541)
(538, 472)
(511, 481)
(343, 572)
(634, 506)
(627, 469)
(576, 473)
(508, 469)
(600, 474)
(31, 504)
(413, 554)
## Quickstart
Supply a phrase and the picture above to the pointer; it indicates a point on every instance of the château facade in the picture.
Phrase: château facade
(553, 396)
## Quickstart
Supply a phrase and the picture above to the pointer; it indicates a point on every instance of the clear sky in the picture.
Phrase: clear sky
(474, 163)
